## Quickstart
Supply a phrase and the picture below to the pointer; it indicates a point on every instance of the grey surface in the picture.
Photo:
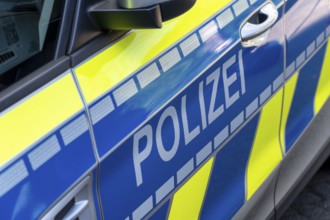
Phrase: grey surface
(314, 201)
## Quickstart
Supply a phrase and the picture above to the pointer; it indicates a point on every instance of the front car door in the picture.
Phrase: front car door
(186, 120)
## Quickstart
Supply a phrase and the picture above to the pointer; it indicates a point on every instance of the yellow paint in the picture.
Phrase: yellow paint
(32, 119)
(323, 88)
(187, 202)
(137, 48)
(266, 152)
(289, 91)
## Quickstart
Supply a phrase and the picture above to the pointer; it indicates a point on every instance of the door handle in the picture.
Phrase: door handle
(76, 210)
(255, 31)
(76, 204)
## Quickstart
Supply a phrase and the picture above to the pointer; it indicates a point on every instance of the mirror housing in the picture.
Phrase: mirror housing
(137, 14)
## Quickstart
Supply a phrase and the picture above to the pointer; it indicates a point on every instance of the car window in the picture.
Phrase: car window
(28, 34)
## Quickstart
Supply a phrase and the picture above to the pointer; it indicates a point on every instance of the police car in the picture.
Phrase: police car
(161, 109)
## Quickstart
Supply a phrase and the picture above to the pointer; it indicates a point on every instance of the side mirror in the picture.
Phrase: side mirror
(137, 14)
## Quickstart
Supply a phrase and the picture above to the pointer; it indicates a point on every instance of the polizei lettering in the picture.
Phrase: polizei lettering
(223, 80)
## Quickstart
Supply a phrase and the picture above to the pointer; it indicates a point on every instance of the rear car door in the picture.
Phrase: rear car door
(186, 120)
(307, 78)
(307, 90)
(46, 154)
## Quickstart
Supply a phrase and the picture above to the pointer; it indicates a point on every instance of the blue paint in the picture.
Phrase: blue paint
(121, 122)
(226, 189)
(95, 186)
(302, 108)
(34, 195)
(305, 21)
(162, 212)
(117, 174)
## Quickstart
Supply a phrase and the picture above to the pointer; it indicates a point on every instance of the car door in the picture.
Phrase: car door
(307, 90)
(186, 119)
(46, 155)
(307, 79)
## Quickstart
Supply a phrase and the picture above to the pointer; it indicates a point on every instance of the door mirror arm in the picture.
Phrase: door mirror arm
(137, 14)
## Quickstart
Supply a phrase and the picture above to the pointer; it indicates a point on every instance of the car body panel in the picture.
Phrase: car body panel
(303, 160)
(307, 31)
(181, 122)
(51, 148)
(117, 62)
(304, 130)
(152, 126)
(323, 87)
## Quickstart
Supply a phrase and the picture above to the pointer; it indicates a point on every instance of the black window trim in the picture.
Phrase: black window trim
(47, 72)
(64, 58)
(65, 31)
(87, 38)
(95, 46)
(33, 82)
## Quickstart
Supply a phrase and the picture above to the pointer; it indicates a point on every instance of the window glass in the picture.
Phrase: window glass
(28, 30)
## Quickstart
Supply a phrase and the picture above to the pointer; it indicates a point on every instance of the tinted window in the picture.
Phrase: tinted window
(28, 35)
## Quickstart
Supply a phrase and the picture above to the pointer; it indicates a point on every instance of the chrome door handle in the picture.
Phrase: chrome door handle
(255, 31)
(76, 210)
(76, 204)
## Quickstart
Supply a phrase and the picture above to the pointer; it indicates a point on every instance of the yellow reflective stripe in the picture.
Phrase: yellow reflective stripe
(30, 120)
(290, 87)
(266, 152)
(323, 88)
(137, 48)
(187, 201)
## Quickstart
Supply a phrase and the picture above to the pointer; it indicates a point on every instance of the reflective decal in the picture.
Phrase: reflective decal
(266, 152)
(323, 88)
(187, 201)
(34, 117)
